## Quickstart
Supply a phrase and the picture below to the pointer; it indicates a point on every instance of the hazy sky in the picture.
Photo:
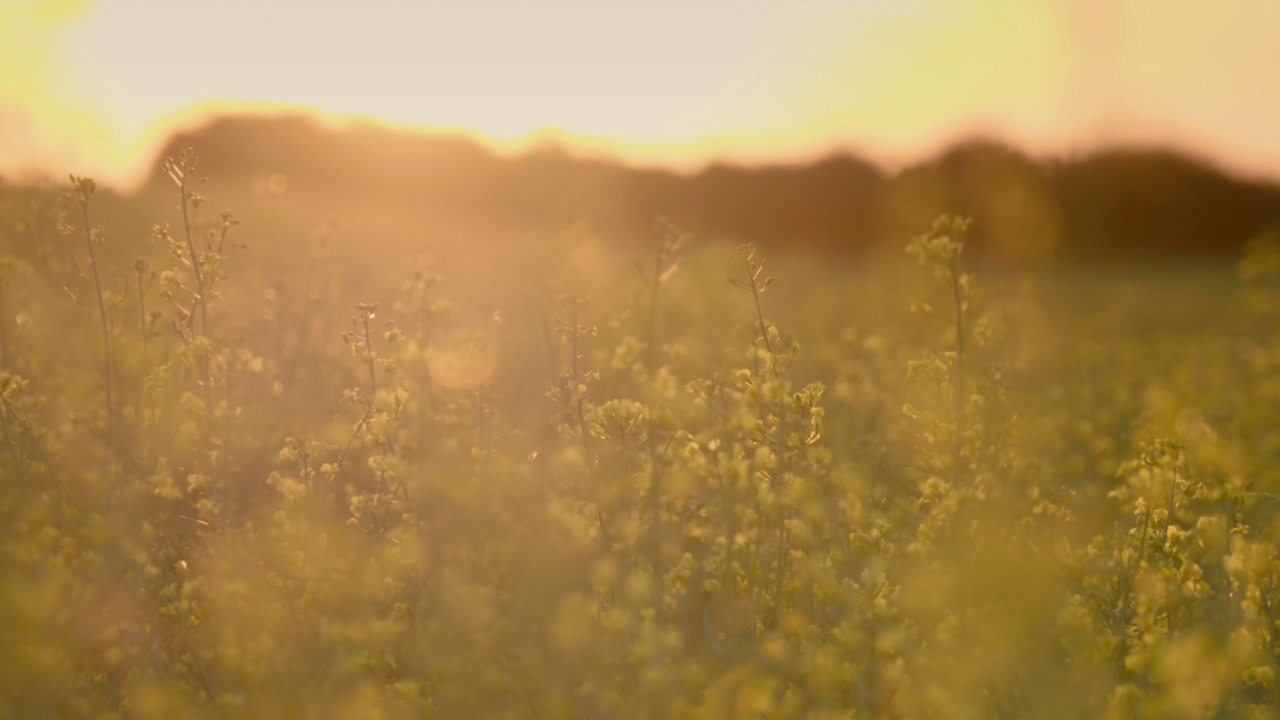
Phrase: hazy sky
(91, 86)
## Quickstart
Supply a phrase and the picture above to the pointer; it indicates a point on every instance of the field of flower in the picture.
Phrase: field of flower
(320, 480)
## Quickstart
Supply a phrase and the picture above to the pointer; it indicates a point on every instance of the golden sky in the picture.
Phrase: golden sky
(90, 86)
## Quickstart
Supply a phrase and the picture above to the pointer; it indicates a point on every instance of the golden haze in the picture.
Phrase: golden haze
(97, 87)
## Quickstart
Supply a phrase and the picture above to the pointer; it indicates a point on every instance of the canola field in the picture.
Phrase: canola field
(241, 478)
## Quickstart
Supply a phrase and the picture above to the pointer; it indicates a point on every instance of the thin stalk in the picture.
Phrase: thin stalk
(22, 417)
(729, 495)
(580, 412)
(351, 441)
(19, 457)
(142, 320)
(776, 479)
(782, 558)
(366, 313)
(1272, 644)
(484, 423)
(104, 321)
(368, 348)
(654, 539)
(145, 328)
(655, 283)
(959, 392)
(4, 327)
(755, 295)
(654, 501)
(201, 299)
(581, 400)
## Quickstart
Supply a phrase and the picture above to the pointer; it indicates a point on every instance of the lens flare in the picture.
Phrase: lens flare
(463, 357)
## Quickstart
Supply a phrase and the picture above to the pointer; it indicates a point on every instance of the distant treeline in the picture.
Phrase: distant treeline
(1113, 205)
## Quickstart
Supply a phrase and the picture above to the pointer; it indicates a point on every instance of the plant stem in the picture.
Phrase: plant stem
(782, 559)
(142, 321)
(351, 441)
(19, 458)
(752, 272)
(145, 328)
(201, 299)
(958, 391)
(368, 348)
(104, 321)
(581, 400)
(4, 334)
(653, 309)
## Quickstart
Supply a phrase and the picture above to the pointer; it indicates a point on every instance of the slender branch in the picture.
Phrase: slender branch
(201, 299)
(104, 320)
(145, 325)
(355, 432)
(959, 391)
(4, 334)
(179, 170)
(752, 273)
(367, 312)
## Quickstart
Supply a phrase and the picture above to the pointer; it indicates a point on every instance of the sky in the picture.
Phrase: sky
(94, 86)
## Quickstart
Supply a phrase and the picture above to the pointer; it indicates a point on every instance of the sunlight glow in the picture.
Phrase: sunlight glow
(97, 86)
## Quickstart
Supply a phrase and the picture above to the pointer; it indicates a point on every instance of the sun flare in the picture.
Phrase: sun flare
(98, 86)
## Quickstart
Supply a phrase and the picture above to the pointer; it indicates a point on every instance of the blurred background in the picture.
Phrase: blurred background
(1082, 130)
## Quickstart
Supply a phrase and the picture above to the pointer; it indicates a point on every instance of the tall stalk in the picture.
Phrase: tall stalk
(756, 286)
(576, 392)
(365, 313)
(4, 326)
(576, 376)
(81, 190)
(146, 323)
(664, 266)
(957, 292)
(941, 248)
(180, 170)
